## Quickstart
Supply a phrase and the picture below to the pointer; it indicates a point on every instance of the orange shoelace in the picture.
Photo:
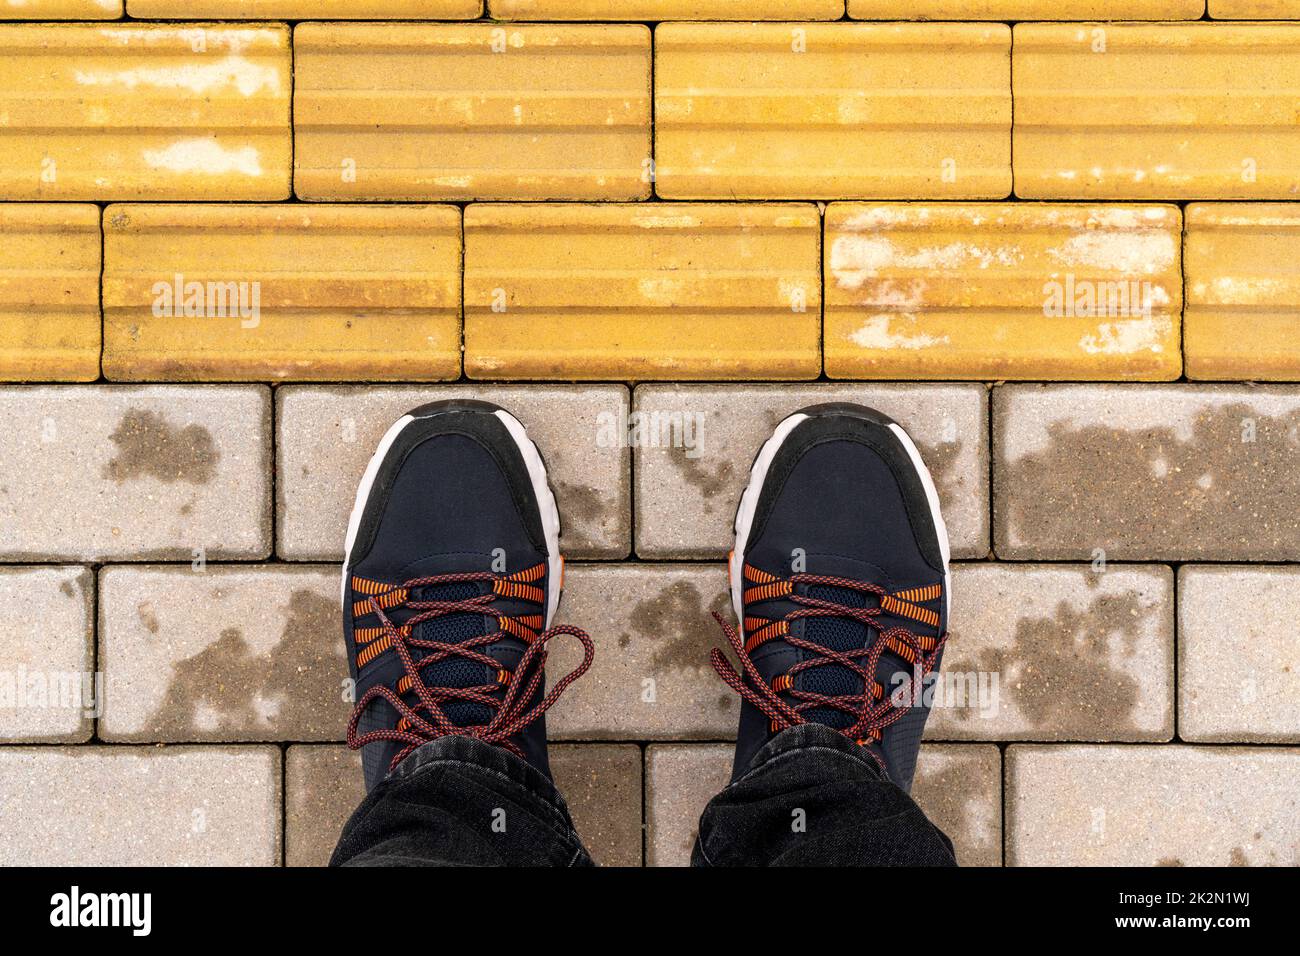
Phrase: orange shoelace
(872, 710)
(426, 720)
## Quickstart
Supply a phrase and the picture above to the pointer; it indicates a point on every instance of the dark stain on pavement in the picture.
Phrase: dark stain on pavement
(1065, 684)
(144, 610)
(941, 460)
(680, 626)
(149, 447)
(1148, 491)
(948, 790)
(582, 503)
(300, 676)
(710, 481)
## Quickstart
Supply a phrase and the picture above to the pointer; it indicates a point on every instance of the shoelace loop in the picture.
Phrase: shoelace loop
(426, 720)
(872, 710)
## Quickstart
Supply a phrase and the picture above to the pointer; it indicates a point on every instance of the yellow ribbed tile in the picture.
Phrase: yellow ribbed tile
(49, 292)
(662, 291)
(1026, 9)
(60, 9)
(833, 110)
(1243, 291)
(666, 9)
(308, 9)
(1002, 291)
(465, 111)
(1255, 9)
(135, 111)
(281, 292)
(1157, 111)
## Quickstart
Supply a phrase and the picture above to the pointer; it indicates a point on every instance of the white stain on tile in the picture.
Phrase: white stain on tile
(204, 156)
(660, 290)
(878, 333)
(195, 40)
(1128, 336)
(665, 222)
(201, 78)
(857, 258)
(1130, 253)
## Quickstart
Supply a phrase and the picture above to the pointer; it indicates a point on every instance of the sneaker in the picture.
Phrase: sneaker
(451, 579)
(839, 578)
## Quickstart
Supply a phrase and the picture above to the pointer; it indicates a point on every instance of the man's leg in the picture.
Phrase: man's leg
(459, 802)
(811, 798)
(839, 577)
(451, 577)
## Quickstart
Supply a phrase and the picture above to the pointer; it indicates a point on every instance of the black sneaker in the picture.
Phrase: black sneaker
(451, 578)
(839, 578)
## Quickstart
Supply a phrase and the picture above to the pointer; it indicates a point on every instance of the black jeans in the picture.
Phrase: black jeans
(809, 798)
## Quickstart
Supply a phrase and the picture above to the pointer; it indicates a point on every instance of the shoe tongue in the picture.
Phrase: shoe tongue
(455, 671)
(837, 634)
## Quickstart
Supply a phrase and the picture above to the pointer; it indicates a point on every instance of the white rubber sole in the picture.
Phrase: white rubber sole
(536, 475)
(758, 474)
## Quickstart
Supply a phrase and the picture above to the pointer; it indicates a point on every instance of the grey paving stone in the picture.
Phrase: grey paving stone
(680, 781)
(1238, 657)
(651, 679)
(1057, 652)
(48, 692)
(323, 785)
(601, 784)
(234, 653)
(140, 806)
(1084, 805)
(121, 472)
(695, 444)
(326, 435)
(1139, 472)
(959, 786)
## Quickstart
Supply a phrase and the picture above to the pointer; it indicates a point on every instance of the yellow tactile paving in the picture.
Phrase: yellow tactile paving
(832, 110)
(308, 9)
(135, 111)
(235, 292)
(49, 292)
(1002, 291)
(1157, 111)
(666, 9)
(1026, 9)
(1255, 9)
(60, 9)
(1243, 291)
(465, 111)
(664, 291)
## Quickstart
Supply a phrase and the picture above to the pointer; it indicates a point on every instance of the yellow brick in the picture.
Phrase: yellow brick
(1003, 291)
(429, 111)
(1157, 111)
(1243, 292)
(1026, 9)
(661, 291)
(308, 9)
(133, 111)
(666, 9)
(1254, 9)
(878, 111)
(49, 292)
(60, 9)
(341, 292)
